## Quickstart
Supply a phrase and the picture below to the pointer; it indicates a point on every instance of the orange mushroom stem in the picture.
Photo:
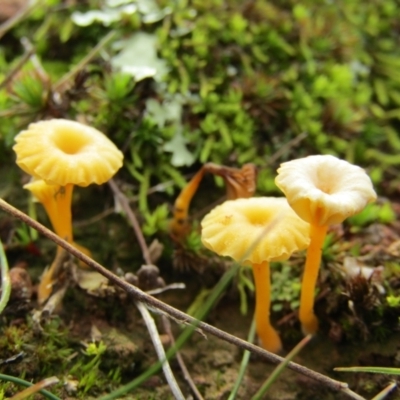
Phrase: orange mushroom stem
(240, 183)
(268, 335)
(180, 226)
(56, 200)
(314, 252)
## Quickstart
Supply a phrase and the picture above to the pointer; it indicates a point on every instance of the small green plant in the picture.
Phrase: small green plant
(382, 213)
(393, 301)
(157, 221)
(286, 287)
(88, 372)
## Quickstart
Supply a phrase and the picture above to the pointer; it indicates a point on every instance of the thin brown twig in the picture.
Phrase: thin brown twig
(182, 365)
(124, 202)
(10, 76)
(132, 219)
(85, 60)
(139, 295)
(19, 16)
(155, 337)
(285, 148)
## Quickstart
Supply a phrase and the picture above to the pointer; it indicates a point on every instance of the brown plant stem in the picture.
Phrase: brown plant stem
(124, 202)
(182, 365)
(139, 295)
(132, 219)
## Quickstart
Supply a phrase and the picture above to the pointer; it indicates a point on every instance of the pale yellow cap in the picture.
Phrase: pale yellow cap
(61, 152)
(254, 230)
(323, 189)
(41, 190)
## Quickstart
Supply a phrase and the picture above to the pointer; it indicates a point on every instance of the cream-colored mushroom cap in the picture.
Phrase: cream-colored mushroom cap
(323, 189)
(61, 152)
(232, 228)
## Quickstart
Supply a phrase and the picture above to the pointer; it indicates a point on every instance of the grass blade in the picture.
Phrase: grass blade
(5, 279)
(24, 383)
(381, 395)
(278, 370)
(244, 363)
(371, 370)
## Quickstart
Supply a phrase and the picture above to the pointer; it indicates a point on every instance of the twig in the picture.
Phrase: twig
(78, 67)
(132, 219)
(279, 368)
(285, 148)
(155, 338)
(178, 285)
(10, 76)
(182, 365)
(19, 16)
(124, 202)
(139, 295)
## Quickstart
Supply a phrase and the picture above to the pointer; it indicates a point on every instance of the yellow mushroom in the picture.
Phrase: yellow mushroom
(322, 190)
(256, 231)
(59, 154)
(240, 183)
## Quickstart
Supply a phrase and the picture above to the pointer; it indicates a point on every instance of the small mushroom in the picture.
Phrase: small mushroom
(59, 154)
(256, 231)
(323, 190)
(240, 183)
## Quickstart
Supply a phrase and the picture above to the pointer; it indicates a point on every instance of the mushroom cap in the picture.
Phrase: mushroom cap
(323, 189)
(254, 230)
(62, 152)
(42, 191)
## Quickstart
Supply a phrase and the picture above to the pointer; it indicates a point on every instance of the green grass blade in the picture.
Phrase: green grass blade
(24, 383)
(371, 370)
(381, 395)
(244, 363)
(5, 279)
(279, 369)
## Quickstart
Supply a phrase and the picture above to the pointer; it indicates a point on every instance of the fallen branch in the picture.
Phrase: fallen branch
(139, 295)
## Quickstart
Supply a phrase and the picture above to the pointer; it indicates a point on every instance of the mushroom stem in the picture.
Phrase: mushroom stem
(309, 321)
(269, 337)
(56, 200)
(62, 220)
(179, 225)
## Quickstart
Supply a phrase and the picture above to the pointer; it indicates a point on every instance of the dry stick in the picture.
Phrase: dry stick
(182, 365)
(19, 16)
(10, 76)
(139, 295)
(85, 60)
(286, 147)
(133, 220)
(124, 202)
(142, 308)
(155, 337)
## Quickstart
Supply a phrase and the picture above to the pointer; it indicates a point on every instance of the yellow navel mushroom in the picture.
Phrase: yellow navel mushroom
(323, 190)
(240, 183)
(256, 231)
(59, 154)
